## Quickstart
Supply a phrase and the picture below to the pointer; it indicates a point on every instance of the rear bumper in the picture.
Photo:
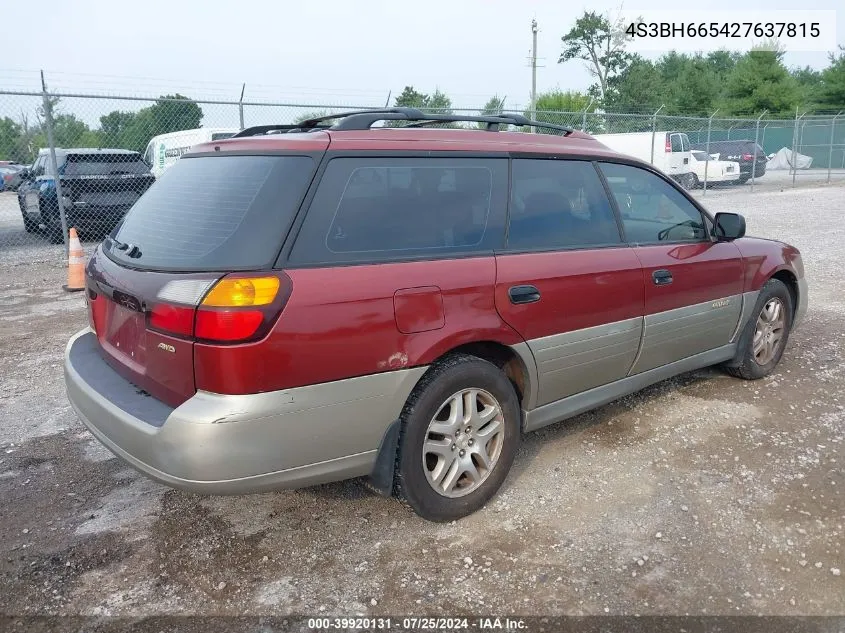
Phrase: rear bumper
(234, 444)
(95, 216)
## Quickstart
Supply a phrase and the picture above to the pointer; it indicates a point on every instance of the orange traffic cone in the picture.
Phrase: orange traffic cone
(75, 264)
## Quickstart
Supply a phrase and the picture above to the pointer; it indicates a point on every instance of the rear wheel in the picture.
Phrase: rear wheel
(688, 181)
(28, 225)
(695, 183)
(764, 338)
(52, 224)
(459, 434)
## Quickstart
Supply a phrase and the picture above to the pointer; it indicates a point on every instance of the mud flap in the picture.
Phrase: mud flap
(380, 479)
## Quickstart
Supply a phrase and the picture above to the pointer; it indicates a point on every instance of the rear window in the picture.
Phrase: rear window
(219, 136)
(215, 213)
(676, 142)
(104, 165)
(370, 209)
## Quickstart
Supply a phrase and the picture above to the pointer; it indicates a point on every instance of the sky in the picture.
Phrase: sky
(343, 53)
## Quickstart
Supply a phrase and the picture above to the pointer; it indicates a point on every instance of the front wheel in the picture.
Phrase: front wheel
(688, 181)
(460, 430)
(764, 338)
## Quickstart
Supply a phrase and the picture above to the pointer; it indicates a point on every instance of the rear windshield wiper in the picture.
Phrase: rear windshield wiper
(131, 250)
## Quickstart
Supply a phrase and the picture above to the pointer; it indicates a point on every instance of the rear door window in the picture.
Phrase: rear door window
(559, 204)
(676, 143)
(105, 165)
(215, 213)
(369, 209)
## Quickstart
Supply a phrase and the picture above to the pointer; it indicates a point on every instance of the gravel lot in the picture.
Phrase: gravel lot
(701, 495)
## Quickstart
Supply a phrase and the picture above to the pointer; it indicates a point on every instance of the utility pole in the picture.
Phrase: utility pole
(533, 70)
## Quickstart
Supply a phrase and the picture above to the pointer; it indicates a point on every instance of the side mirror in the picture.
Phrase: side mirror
(728, 226)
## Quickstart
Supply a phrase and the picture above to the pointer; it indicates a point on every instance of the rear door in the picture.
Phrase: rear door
(31, 189)
(566, 281)
(210, 216)
(693, 286)
(679, 154)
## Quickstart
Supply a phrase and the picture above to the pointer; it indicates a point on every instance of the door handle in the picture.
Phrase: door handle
(523, 294)
(661, 277)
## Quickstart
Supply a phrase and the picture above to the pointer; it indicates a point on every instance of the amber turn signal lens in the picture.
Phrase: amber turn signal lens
(243, 292)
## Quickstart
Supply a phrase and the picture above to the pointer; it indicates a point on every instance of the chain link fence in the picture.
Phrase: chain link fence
(108, 150)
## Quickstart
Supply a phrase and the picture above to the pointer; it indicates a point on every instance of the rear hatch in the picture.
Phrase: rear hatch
(105, 179)
(193, 262)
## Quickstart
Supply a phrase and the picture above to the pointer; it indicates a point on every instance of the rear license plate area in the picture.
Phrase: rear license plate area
(126, 332)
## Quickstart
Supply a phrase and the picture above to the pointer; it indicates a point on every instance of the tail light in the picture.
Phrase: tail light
(236, 308)
(668, 144)
(747, 157)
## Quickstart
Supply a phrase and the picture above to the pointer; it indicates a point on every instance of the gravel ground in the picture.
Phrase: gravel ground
(701, 495)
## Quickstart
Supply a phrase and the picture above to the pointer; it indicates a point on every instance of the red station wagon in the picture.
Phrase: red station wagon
(299, 305)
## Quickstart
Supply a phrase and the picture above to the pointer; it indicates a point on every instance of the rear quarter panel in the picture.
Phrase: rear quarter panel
(340, 322)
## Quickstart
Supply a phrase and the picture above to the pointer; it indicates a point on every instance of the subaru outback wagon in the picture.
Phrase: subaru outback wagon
(384, 298)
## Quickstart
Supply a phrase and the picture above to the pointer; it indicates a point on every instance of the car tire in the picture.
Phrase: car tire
(757, 356)
(52, 224)
(695, 182)
(28, 225)
(688, 181)
(451, 481)
(744, 179)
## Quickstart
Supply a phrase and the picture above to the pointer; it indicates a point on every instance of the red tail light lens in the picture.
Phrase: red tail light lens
(172, 319)
(668, 144)
(228, 325)
(747, 157)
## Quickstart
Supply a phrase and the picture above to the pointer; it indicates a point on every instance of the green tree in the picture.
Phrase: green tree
(809, 81)
(114, 127)
(599, 41)
(410, 98)
(831, 91)
(758, 82)
(436, 103)
(691, 85)
(494, 107)
(170, 113)
(640, 87)
(722, 61)
(561, 107)
(11, 136)
(305, 116)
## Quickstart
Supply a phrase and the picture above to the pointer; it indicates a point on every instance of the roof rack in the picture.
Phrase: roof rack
(259, 130)
(364, 120)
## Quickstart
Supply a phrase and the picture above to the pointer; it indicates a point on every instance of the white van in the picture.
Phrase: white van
(670, 152)
(163, 150)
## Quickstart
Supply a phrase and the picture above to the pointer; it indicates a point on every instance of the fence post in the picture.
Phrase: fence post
(241, 106)
(654, 131)
(794, 147)
(830, 149)
(756, 139)
(584, 116)
(48, 118)
(707, 162)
